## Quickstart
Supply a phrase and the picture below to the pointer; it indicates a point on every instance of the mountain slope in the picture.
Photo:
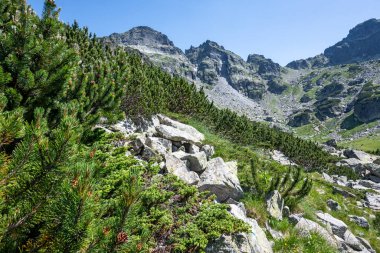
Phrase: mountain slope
(315, 97)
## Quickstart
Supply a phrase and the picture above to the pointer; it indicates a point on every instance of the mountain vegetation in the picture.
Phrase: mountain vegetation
(68, 187)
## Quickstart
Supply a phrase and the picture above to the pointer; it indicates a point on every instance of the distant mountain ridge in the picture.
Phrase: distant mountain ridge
(361, 44)
(307, 92)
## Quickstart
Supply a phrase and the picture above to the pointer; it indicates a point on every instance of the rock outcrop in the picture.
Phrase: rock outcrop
(220, 178)
(178, 150)
(253, 242)
(336, 233)
(362, 43)
(275, 205)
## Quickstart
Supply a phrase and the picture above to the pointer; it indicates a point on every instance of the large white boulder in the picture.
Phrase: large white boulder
(178, 167)
(176, 131)
(221, 179)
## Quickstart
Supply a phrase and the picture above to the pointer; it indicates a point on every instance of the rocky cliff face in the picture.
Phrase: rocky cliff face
(157, 47)
(213, 62)
(362, 43)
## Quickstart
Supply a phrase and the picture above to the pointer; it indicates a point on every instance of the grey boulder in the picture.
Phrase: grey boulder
(373, 200)
(275, 204)
(176, 131)
(178, 168)
(160, 145)
(253, 242)
(361, 221)
(196, 162)
(221, 179)
(333, 205)
(305, 227)
(338, 227)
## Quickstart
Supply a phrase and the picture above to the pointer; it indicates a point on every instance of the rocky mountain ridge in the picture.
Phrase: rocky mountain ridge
(361, 44)
(309, 92)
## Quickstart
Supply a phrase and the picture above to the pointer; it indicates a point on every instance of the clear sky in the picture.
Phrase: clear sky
(283, 30)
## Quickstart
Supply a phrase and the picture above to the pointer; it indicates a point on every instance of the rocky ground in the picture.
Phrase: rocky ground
(179, 150)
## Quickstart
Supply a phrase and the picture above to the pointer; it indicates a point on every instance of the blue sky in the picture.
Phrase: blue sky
(283, 30)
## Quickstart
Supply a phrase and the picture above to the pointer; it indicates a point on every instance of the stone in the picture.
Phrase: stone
(377, 161)
(340, 180)
(191, 148)
(350, 162)
(373, 201)
(286, 211)
(174, 134)
(332, 143)
(369, 184)
(351, 240)
(136, 146)
(253, 242)
(148, 154)
(333, 205)
(275, 204)
(361, 221)
(374, 169)
(277, 235)
(338, 227)
(196, 162)
(356, 154)
(344, 193)
(281, 158)
(160, 145)
(305, 227)
(182, 131)
(219, 179)
(178, 168)
(209, 150)
(374, 179)
(327, 178)
(367, 105)
(365, 243)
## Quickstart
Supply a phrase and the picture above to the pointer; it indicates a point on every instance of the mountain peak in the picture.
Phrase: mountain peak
(142, 35)
(361, 44)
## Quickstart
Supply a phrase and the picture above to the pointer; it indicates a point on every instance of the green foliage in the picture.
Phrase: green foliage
(313, 243)
(376, 222)
(292, 185)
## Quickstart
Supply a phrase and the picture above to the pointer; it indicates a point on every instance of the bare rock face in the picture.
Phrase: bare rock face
(220, 179)
(362, 43)
(178, 167)
(338, 227)
(275, 205)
